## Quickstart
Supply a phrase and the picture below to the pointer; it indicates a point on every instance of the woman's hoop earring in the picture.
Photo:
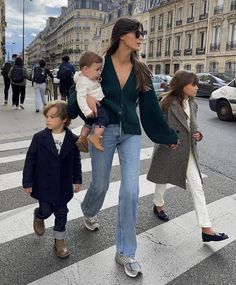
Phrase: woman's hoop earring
(99, 79)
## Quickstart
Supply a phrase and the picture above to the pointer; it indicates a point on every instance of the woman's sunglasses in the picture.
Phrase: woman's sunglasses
(139, 34)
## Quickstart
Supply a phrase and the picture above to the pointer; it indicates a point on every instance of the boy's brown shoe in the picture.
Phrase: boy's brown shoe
(82, 144)
(96, 141)
(39, 227)
(61, 248)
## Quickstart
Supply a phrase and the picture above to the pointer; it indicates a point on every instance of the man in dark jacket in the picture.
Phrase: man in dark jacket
(65, 74)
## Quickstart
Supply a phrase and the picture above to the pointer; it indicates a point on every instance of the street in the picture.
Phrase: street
(169, 253)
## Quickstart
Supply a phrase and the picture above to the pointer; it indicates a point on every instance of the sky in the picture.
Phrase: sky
(36, 14)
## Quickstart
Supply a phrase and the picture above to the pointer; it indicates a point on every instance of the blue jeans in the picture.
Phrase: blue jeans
(128, 147)
(40, 89)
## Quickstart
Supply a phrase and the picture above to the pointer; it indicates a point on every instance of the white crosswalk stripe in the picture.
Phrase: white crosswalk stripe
(160, 249)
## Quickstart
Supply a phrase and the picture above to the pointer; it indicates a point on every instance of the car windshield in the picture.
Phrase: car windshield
(224, 77)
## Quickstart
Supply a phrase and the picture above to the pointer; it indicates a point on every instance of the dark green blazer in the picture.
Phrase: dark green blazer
(122, 103)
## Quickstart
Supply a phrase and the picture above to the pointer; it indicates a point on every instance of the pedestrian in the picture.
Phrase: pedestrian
(176, 165)
(18, 75)
(52, 164)
(39, 82)
(87, 84)
(4, 71)
(126, 83)
(65, 74)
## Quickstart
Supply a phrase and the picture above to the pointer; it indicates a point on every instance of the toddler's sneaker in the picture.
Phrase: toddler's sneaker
(82, 144)
(39, 227)
(131, 266)
(61, 248)
(91, 223)
(96, 141)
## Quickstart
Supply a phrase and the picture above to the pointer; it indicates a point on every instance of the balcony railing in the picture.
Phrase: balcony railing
(158, 53)
(179, 22)
(233, 6)
(177, 52)
(188, 51)
(203, 16)
(214, 47)
(218, 9)
(200, 50)
(167, 53)
(190, 19)
(230, 45)
(169, 25)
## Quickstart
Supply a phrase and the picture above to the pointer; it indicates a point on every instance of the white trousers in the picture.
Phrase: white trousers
(40, 97)
(195, 185)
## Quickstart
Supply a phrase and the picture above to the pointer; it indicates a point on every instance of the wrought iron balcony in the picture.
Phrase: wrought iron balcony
(218, 9)
(200, 50)
(188, 51)
(179, 22)
(214, 47)
(190, 19)
(230, 45)
(203, 16)
(177, 52)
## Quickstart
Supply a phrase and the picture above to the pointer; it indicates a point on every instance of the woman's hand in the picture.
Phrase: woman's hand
(28, 190)
(92, 103)
(197, 136)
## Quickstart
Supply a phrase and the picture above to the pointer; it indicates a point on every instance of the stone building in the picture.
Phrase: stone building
(2, 32)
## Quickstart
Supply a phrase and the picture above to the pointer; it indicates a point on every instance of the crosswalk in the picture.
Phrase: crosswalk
(165, 250)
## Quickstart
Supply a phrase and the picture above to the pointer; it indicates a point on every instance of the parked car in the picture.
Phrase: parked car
(166, 78)
(223, 101)
(209, 83)
(158, 84)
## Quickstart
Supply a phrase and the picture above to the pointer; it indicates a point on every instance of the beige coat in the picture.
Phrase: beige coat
(170, 166)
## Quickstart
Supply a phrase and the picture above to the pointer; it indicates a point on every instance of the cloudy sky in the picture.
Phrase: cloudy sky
(36, 14)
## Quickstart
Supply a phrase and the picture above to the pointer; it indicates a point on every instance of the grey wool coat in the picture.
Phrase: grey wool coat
(168, 165)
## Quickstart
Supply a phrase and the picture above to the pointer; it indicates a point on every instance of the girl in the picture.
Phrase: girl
(175, 166)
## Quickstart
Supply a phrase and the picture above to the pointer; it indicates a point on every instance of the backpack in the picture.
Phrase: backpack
(39, 75)
(17, 75)
(65, 73)
(5, 69)
(72, 104)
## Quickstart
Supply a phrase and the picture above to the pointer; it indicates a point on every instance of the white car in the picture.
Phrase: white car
(223, 101)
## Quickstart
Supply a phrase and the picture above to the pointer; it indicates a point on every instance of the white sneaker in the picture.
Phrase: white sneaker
(22, 106)
(16, 108)
(91, 223)
(131, 266)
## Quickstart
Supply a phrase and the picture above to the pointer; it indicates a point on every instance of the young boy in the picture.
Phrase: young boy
(87, 84)
(51, 168)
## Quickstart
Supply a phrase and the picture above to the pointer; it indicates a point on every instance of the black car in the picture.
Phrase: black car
(209, 83)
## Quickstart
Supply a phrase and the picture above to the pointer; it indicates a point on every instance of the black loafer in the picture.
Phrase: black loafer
(215, 237)
(162, 215)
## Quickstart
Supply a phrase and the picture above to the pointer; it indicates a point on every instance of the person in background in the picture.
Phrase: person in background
(126, 83)
(39, 82)
(52, 166)
(65, 74)
(4, 71)
(18, 75)
(87, 84)
(175, 166)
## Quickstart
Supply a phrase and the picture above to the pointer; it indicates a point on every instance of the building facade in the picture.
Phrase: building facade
(2, 32)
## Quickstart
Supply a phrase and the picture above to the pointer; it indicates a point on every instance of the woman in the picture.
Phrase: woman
(18, 75)
(175, 166)
(126, 82)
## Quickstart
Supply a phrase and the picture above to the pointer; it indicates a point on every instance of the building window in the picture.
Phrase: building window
(157, 69)
(202, 39)
(189, 41)
(213, 67)
(215, 45)
(151, 47)
(187, 67)
(179, 17)
(177, 43)
(204, 7)
(230, 68)
(218, 9)
(170, 18)
(199, 68)
(160, 23)
(159, 44)
(167, 47)
(231, 44)
(153, 24)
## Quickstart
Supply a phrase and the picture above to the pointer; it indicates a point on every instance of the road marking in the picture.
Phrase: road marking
(165, 252)
(14, 179)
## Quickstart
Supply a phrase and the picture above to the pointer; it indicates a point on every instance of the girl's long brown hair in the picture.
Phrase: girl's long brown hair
(143, 74)
(177, 84)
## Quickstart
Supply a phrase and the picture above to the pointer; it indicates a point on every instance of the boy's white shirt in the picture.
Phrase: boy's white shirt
(86, 87)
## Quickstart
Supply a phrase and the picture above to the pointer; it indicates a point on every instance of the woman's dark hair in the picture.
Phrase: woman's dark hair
(143, 74)
(177, 84)
(19, 61)
(42, 63)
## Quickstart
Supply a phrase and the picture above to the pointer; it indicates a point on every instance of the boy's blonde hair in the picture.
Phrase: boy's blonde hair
(62, 112)
(87, 58)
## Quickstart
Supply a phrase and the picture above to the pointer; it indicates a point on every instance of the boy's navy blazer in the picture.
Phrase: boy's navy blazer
(51, 175)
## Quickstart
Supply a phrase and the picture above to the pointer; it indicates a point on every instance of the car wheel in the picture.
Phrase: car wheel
(224, 111)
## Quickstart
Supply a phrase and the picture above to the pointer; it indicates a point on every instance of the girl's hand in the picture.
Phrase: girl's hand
(197, 136)
(92, 103)
(28, 190)
(77, 188)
